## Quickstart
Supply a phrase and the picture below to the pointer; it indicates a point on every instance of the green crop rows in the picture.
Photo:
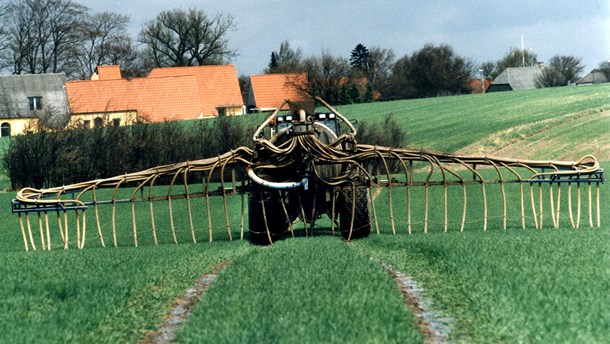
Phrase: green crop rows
(548, 285)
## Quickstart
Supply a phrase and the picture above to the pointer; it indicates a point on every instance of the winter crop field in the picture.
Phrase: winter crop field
(515, 285)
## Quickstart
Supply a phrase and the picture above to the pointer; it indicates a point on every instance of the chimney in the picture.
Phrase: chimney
(108, 73)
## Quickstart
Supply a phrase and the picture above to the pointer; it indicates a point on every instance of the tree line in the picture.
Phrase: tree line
(50, 36)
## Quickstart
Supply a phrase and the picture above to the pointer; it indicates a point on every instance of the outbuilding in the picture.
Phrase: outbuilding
(516, 78)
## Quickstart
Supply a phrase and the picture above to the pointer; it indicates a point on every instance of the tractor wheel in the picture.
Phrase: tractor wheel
(273, 212)
(362, 222)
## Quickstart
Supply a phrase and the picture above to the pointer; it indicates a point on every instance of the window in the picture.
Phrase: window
(35, 103)
(5, 129)
(116, 122)
(86, 124)
(98, 122)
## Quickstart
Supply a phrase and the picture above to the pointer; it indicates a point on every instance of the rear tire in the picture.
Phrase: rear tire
(362, 221)
(274, 213)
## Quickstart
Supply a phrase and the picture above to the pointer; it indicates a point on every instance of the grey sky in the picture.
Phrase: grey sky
(483, 30)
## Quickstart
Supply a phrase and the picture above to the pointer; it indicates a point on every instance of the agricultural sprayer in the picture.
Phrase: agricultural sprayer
(306, 165)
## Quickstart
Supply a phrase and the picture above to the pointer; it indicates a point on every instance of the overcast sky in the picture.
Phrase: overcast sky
(482, 30)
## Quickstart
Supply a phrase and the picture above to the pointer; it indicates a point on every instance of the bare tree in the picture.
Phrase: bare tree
(374, 66)
(380, 61)
(104, 41)
(187, 38)
(285, 60)
(487, 69)
(126, 55)
(40, 35)
(3, 36)
(561, 71)
(326, 75)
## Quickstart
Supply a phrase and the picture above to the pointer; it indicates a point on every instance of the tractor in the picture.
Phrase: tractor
(306, 187)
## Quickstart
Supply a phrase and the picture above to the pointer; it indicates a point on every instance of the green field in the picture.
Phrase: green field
(517, 285)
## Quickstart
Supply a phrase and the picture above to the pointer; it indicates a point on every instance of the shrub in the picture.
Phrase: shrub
(387, 133)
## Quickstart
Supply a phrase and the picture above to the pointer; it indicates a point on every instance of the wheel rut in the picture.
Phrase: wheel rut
(177, 315)
(432, 325)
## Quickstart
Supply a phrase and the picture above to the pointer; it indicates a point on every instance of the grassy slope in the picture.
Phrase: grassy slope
(61, 289)
(506, 124)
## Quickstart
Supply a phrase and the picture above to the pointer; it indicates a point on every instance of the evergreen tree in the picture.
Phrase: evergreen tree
(368, 94)
(359, 58)
(354, 93)
(273, 62)
(344, 96)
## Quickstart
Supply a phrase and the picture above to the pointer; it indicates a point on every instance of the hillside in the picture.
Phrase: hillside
(554, 123)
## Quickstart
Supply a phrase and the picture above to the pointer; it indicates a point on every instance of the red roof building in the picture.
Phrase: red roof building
(180, 93)
(479, 85)
(267, 91)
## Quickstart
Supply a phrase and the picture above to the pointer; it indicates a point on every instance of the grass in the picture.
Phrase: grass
(98, 295)
(515, 287)
(573, 116)
(5, 183)
(302, 291)
(499, 286)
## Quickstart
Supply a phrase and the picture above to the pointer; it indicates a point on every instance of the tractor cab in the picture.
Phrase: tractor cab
(301, 119)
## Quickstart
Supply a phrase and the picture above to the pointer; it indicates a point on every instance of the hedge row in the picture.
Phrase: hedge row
(45, 158)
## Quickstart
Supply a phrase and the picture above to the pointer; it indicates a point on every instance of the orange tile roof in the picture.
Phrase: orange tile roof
(166, 94)
(174, 98)
(218, 84)
(269, 90)
(155, 100)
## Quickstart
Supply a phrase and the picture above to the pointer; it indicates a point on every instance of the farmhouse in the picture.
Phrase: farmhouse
(267, 91)
(516, 78)
(596, 76)
(28, 101)
(178, 93)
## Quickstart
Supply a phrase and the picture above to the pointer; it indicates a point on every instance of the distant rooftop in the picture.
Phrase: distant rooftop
(516, 78)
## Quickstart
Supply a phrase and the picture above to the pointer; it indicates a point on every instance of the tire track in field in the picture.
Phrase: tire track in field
(177, 315)
(432, 325)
